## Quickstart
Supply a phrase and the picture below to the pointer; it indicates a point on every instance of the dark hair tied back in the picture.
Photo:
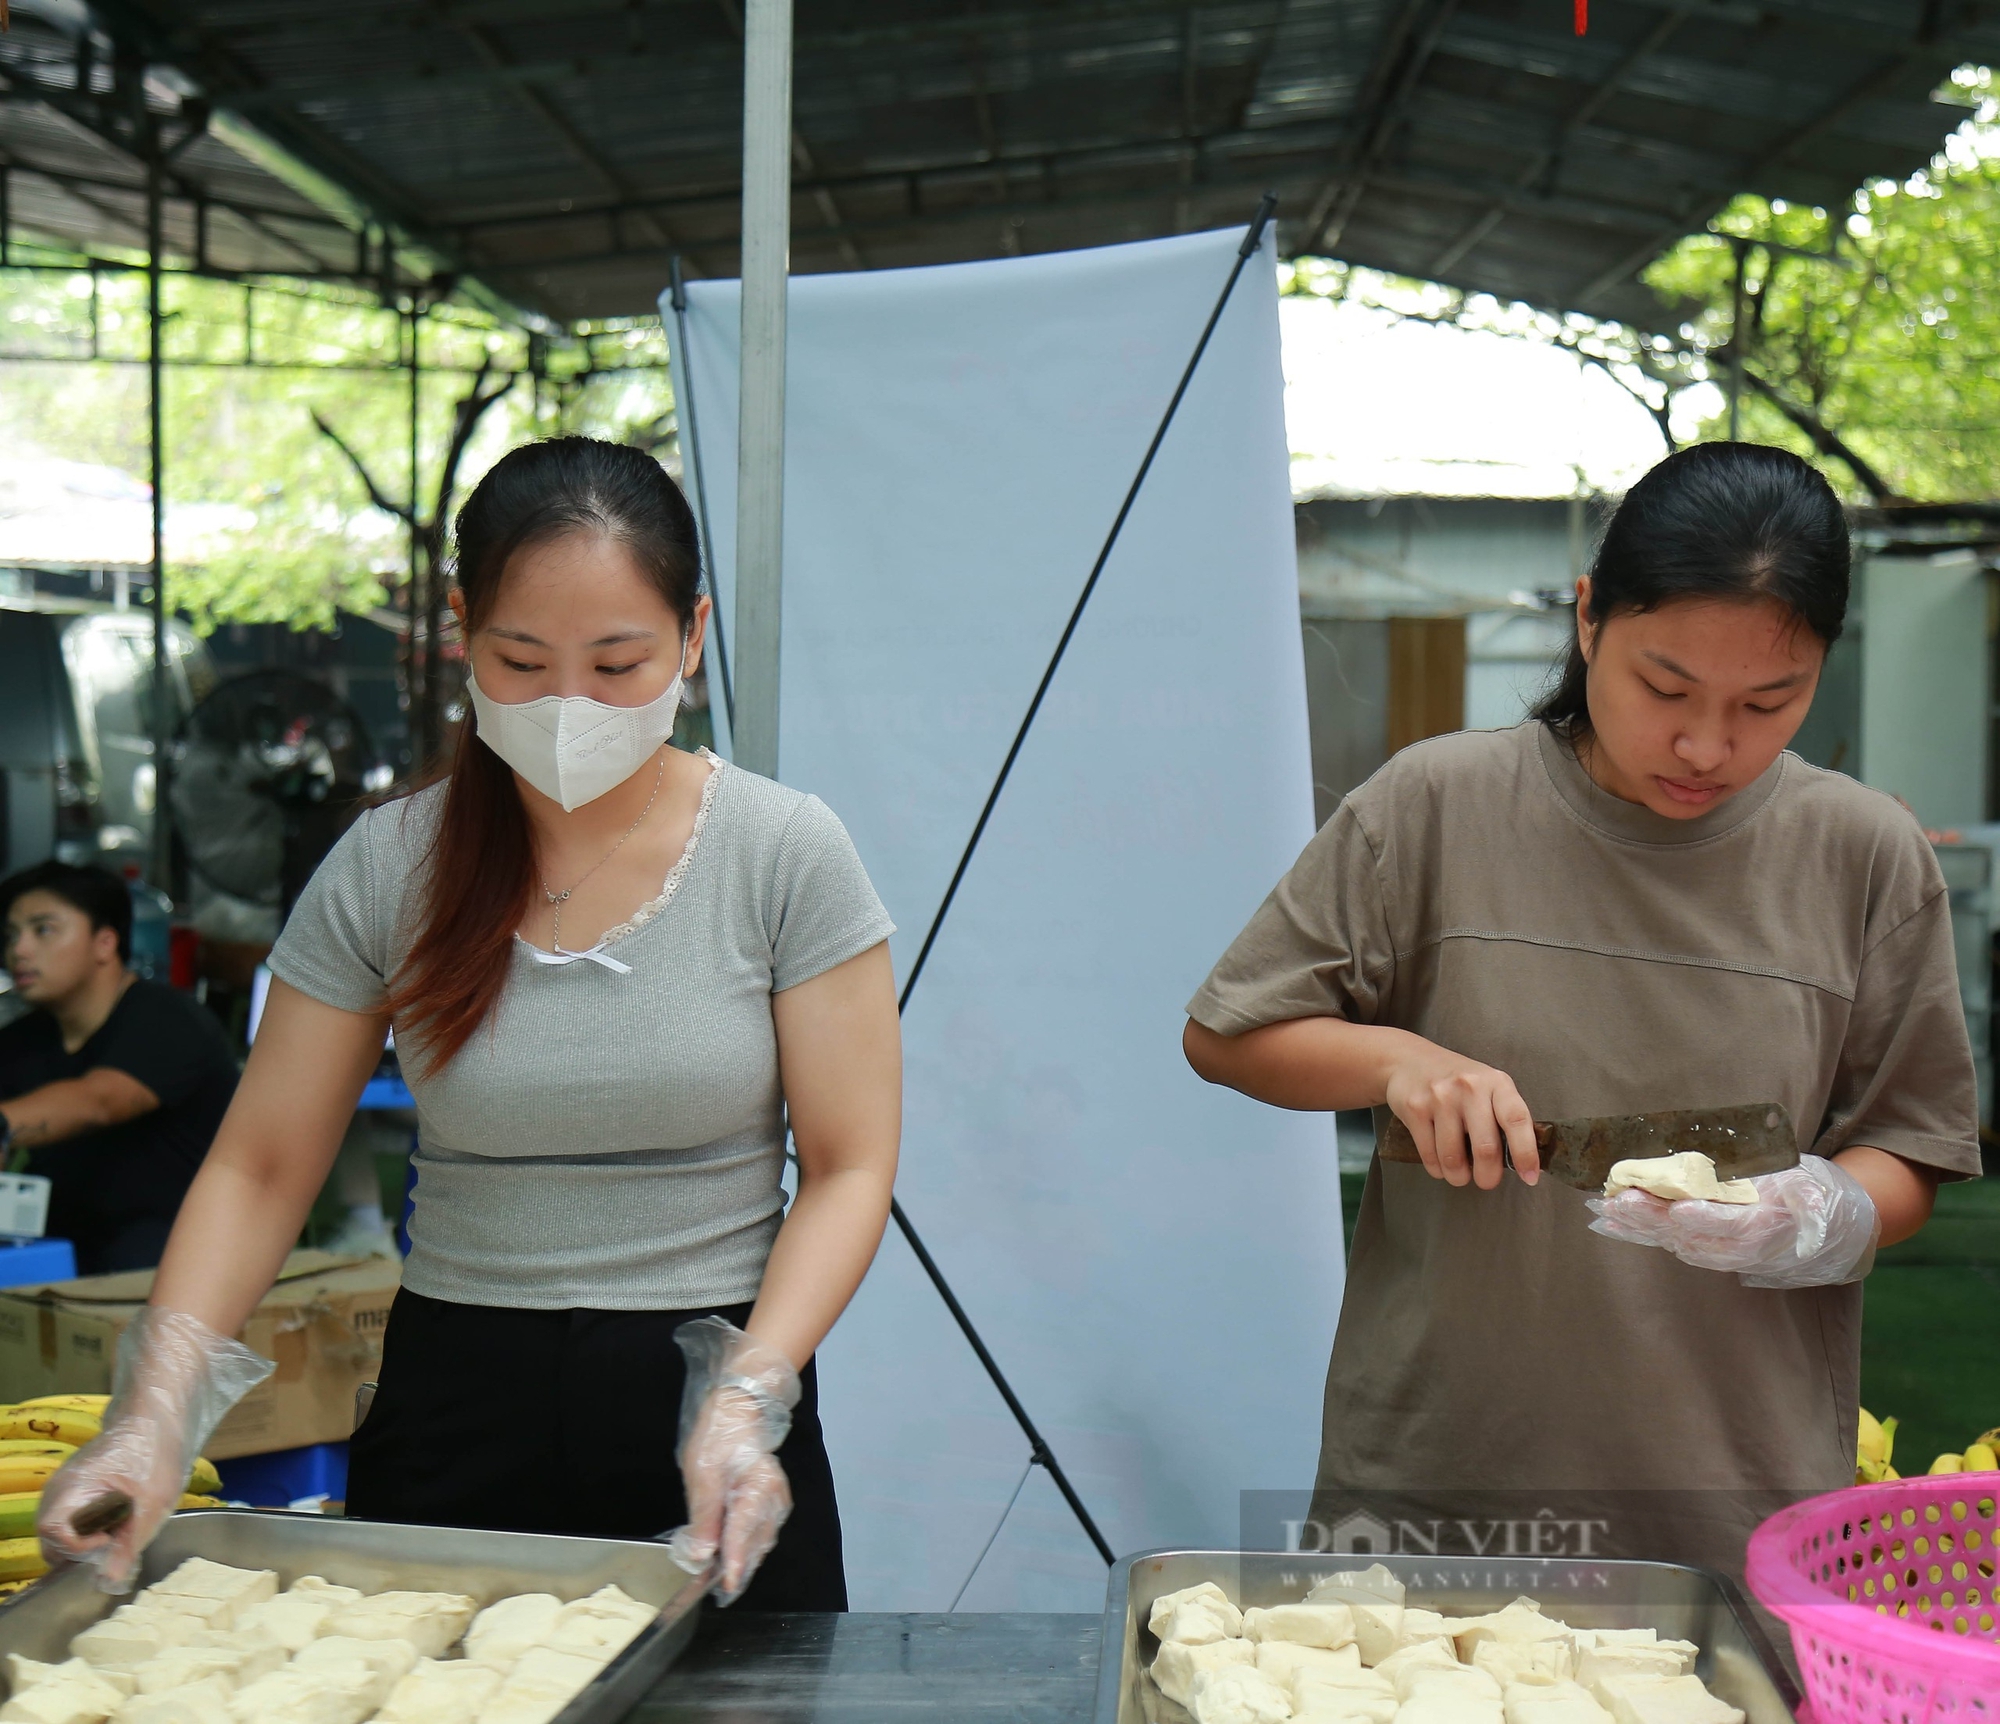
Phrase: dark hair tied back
(1715, 521)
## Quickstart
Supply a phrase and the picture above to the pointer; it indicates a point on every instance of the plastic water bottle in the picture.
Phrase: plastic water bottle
(152, 924)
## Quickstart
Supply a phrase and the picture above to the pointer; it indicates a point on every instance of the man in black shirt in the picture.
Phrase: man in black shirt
(113, 1086)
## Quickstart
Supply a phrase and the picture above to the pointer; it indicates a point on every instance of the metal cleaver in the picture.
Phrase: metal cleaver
(1756, 1137)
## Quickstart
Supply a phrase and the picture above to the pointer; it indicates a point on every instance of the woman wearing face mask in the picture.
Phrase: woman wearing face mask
(1635, 901)
(616, 972)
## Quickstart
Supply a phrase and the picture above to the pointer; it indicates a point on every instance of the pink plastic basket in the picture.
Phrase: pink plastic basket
(1890, 1593)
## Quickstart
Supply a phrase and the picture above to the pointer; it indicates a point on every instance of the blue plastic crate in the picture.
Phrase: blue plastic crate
(286, 1476)
(28, 1262)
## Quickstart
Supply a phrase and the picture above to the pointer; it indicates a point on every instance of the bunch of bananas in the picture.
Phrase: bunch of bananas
(1877, 1443)
(36, 1437)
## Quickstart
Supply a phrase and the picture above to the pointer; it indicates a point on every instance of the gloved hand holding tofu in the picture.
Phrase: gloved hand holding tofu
(176, 1379)
(1813, 1225)
(735, 1412)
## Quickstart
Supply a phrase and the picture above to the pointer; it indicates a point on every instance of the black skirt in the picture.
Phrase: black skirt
(564, 1422)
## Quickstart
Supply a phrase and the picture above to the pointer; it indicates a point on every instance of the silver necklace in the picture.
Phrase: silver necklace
(559, 899)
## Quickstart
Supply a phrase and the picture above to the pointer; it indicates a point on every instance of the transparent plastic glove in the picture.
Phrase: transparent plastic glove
(1812, 1226)
(735, 1411)
(175, 1381)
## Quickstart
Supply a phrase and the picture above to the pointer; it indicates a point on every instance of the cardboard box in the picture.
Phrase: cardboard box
(322, 1324)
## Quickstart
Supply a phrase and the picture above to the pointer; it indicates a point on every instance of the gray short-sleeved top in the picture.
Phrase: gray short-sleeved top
(606, 1140)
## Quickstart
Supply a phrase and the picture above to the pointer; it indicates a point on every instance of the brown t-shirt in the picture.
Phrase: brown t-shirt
(1793, 944)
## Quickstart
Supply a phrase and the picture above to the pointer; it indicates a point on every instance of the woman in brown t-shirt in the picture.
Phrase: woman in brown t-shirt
(1637, 900)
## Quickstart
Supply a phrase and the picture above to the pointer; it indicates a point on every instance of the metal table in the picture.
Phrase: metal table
(881, 1669)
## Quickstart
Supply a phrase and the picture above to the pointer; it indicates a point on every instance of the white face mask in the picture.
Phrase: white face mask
(572, 748)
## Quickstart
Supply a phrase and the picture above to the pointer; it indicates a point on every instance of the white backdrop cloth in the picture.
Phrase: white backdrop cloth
(1155, 1263)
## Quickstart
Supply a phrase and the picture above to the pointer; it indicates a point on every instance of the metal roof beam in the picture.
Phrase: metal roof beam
(1548, 161)
(1863, 90)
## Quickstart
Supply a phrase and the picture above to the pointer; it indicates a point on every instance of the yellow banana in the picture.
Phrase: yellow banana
(204, 1481)
(17, 1513)
(9, 1587)
(26, 1473)
(35, 1446)
(1948, 1464)
(1890, 1473)
(21, 1559)
(62, 1424)
(1877, 1438)
(1981, 1458)
(1990, 1438)
(194, 1501)
(73, 1403)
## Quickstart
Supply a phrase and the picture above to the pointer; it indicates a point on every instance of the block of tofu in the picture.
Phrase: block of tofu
(1374, 1585)
(1666, 1700)
(1425, 1679)
(200, 1578)
(26, 1673)
(1238, 1694)
(131, 1635)
(504, 1630)
(441, 1692)
(430, 1621)
(209, 1612)
(388, 1660)
(1520, 1623)
(1327, 1625)
(1421, 1625)
(1378, 1629)
(74, 1697)
(1678, 1177)
(342, 1695)
(204, 1702)
(1600, 1665)
(1450, 1705)
(318, 1586)
(1399, 1667)
(600, 1626)
(1179, 1663)
(539, 1686)
(1526, 1660)
(1195, 1616)
(178, 1666)
(288, 1622)
(1552, 1703)
(1284, 1660)
(1324, 1702)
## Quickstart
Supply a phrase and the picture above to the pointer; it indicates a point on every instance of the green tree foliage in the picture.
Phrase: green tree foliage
(284, 528)
(1870, 335)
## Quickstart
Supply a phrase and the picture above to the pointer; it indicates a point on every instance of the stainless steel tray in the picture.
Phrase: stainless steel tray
(1737, 1660)
(378, 1557)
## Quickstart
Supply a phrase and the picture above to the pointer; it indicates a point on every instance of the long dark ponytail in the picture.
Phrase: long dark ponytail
(1715, 521)
(479, 876)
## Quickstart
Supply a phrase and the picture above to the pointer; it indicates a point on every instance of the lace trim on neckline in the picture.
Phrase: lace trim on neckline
(678, 872)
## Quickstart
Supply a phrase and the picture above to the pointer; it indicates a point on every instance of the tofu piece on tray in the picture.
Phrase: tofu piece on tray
(26, 1673)
(131, 1635)
(1285, 1661)
(290, 1621)
(342, 1695)
(1238, 1694)
(601, 1626)
(204, 1702)
(85, 1699)
(1600, 1666)
(1401, 1668)
(1316, 1698)
(387, 1661)
(504, 1630)
(1327, 1625)
(1525, 1660)
(432, 1622)
(212, 1590)
(1666, 1700)
(1195, 1616)
(1179, 1664)
(538, 1687)
(1552, 1703)
(438, 1692)
(180, 1666)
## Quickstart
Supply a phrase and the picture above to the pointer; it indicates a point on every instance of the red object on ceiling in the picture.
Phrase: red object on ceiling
(1583, 17)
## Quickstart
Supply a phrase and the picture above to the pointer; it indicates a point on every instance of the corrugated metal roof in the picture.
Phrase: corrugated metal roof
(560, 152)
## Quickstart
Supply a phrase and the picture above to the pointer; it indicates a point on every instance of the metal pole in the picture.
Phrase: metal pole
(691, 466)
(420, 607)
(1736, 346)
(163, 708)
(760, 449)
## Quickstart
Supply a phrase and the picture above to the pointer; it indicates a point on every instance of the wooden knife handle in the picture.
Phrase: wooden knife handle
(107, 1514)
(1398, 1145)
